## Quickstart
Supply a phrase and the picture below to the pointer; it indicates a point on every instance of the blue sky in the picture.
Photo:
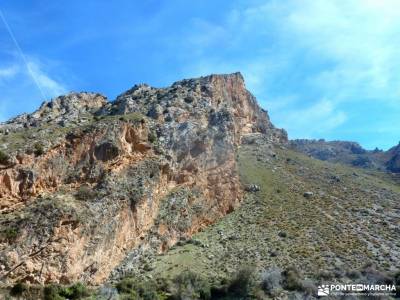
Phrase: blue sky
(323, 69)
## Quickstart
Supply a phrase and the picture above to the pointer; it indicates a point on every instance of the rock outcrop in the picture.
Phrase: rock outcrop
(87, 182)
(325, 150)
(350, 153)
(64, 110)
(393, 164)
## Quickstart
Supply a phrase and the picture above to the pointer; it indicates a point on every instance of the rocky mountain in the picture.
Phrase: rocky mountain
(84, 182)
(350, 153)
(187, 192)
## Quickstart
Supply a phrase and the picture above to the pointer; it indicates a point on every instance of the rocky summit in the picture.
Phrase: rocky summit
(188, 192)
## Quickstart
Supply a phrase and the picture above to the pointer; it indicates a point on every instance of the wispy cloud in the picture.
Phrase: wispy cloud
(34, 74)
(28, 77)
(51, 87)
(295, 52)
(8, 72)
(314, 120)
(354, 41)
(20, 84)
(358, 37)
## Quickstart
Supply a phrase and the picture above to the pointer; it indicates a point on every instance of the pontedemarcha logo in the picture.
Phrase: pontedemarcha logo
(323, 290)
(356, 289)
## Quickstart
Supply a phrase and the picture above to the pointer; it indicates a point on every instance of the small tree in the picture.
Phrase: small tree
(9, 234)
(38, 149)
(189, 285)
(241, 283)
(18, 289)
(4, 158)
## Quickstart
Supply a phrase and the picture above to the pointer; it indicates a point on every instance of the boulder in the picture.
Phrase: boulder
(308, 194)
(252, 188)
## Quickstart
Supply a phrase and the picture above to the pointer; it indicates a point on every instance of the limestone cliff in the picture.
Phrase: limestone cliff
(85, 182)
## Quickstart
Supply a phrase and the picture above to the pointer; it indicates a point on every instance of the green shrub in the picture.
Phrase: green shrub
(85, 193)
(136, 117)
(131, 296)
(220, 290)
(38, 149)
(132, 289)
(292, 279)
(325, 275)
(241, 283)
(4, 158)
(51, 292)
(9, 234)
(126, 285)
(152, 137)
(73, 292)
(353, 274)
(18, 289)
(189, 285)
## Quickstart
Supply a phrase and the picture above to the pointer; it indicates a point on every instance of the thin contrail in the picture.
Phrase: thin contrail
(22, 55)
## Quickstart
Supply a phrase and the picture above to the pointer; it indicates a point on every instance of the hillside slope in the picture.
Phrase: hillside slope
(331, 222)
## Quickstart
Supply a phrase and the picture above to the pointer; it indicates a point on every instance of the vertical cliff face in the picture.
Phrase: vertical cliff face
(104, 179)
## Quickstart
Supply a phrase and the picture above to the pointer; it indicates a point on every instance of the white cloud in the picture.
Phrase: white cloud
(314, 120)
(357, 39)
(8, 72)
(27, 84)
(48, 85)
(294, 51)
(35, 72)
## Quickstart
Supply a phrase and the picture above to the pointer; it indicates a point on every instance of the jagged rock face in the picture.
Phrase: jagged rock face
(210, 100)
(144, 171)
(73, 107)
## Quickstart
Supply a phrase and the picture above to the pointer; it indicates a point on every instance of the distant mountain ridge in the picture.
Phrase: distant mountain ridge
(350, 153)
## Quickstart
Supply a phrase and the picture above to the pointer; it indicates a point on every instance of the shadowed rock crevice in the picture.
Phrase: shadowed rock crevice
(106, 151)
